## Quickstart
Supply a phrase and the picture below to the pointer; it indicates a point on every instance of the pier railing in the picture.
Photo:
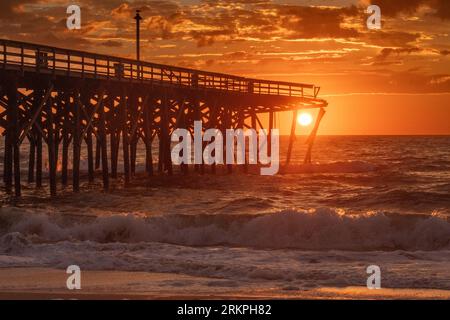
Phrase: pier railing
(44, 59)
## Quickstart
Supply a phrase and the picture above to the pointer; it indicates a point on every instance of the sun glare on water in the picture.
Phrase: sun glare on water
(304, 119)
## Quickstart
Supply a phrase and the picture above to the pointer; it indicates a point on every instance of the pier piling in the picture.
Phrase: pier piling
(96, 109)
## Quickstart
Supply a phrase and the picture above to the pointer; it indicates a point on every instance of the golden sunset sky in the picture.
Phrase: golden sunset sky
(390, 81)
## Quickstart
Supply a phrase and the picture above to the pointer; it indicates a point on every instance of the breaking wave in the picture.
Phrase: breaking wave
(316, 229)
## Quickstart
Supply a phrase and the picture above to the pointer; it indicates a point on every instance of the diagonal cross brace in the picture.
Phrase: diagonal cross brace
(312, 136)
(91, 118)
(135, 124)
(36, 114)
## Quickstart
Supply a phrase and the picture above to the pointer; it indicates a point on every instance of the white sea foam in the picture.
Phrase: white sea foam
(277, 268)
(331, 167)
(253, 249)
(318, 229)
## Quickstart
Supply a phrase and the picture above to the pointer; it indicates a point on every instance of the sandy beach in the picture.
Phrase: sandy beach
(46, 283)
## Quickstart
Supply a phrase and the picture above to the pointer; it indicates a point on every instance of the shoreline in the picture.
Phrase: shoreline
(49, 284)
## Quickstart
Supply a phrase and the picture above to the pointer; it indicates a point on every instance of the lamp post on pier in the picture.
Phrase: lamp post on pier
(138, 19)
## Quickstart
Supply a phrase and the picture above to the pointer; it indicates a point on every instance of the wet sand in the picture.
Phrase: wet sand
(46, 283)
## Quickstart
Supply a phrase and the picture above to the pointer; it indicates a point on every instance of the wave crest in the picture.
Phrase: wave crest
(317, 229)
(332, 167)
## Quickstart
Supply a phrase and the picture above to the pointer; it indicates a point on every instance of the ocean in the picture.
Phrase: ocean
(365, 200)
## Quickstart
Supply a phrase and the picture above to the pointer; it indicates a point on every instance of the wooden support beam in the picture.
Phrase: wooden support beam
(98, 146)
(213, 120)
(8, 156)
(90, 155)
(160, 133)
(32, 149)
(12, 153)
(312, 136)
(197, 117)
(241, 125)
(51, 147)
(133, 156)
(31, 159)
(167, 159)
(114, 137)
(76, 141)
(66, 138)
(254, 126)
(253, 118)
(228, 125)
(292, 136)
(98, 143)
(160, 149)
(269, 136)
(135, 112)
(58, 118)
(5, 160)
(88, 130)
(37, 112)
(104, 148)
(181, 123)
(17, 182)
(259, 122)
(163, 133)
(125, 136)
(148, 140)
(90, 115)
(39, 156)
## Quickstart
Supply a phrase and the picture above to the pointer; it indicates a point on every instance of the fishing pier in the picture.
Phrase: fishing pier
(69, 100)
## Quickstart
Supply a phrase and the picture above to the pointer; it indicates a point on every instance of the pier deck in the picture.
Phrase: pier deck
(69, 99)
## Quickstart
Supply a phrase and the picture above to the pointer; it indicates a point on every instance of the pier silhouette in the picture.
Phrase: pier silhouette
(74, 99)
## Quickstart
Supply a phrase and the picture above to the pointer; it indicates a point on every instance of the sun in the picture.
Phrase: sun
(304, 119)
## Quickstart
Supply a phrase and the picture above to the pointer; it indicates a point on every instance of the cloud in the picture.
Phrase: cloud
(440, 79)
(10, 8)
(313, 22)
(386, 52)
(392, 38)
(266, 37)
(225, 20)
(209, 22)
(440, 8)
(112, 44)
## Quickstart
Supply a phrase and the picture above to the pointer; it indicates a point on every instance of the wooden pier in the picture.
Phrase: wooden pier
(71, 99)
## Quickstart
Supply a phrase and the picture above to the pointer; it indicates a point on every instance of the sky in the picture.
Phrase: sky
(395, 80)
